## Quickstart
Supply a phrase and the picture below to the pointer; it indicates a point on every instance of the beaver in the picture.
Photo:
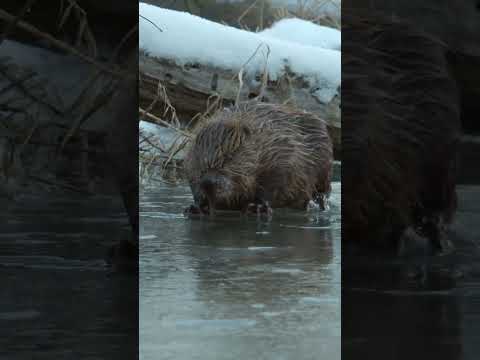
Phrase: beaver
(259, 156)
(400, 133)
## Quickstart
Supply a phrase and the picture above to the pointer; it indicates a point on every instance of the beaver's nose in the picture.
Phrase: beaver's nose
(208, 183)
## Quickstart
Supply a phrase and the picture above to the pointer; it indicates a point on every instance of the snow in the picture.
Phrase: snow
(165, 135)
(150, 128)
(305, 32)
(188, 38)
(157, 133)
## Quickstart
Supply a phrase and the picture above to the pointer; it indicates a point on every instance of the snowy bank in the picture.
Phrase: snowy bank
(188, 39)
(156, 133)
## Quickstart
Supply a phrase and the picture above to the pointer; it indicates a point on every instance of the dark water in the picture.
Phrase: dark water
(233, 288)
(417, 308)
(58, 300)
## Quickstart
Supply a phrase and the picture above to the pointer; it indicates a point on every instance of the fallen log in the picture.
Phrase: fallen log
(190, 86)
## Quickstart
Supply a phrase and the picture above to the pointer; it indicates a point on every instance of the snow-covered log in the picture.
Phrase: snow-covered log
(195, 58)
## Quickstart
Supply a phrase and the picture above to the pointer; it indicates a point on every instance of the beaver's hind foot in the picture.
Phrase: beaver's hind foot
(321, 200)
(429, 238)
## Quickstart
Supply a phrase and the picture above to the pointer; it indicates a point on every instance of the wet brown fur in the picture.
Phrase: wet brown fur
(263, 152)
(400, 126)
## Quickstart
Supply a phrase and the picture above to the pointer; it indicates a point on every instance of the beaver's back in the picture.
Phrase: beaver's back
(297, 154)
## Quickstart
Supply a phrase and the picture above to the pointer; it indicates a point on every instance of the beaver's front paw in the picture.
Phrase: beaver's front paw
(259, 209)
(265, 209)
(250, 209)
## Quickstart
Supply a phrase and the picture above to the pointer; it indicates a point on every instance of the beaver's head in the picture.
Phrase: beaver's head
(221, 163)
(212, 190)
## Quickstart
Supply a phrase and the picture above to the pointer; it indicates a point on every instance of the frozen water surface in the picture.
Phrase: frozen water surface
(233, 288)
